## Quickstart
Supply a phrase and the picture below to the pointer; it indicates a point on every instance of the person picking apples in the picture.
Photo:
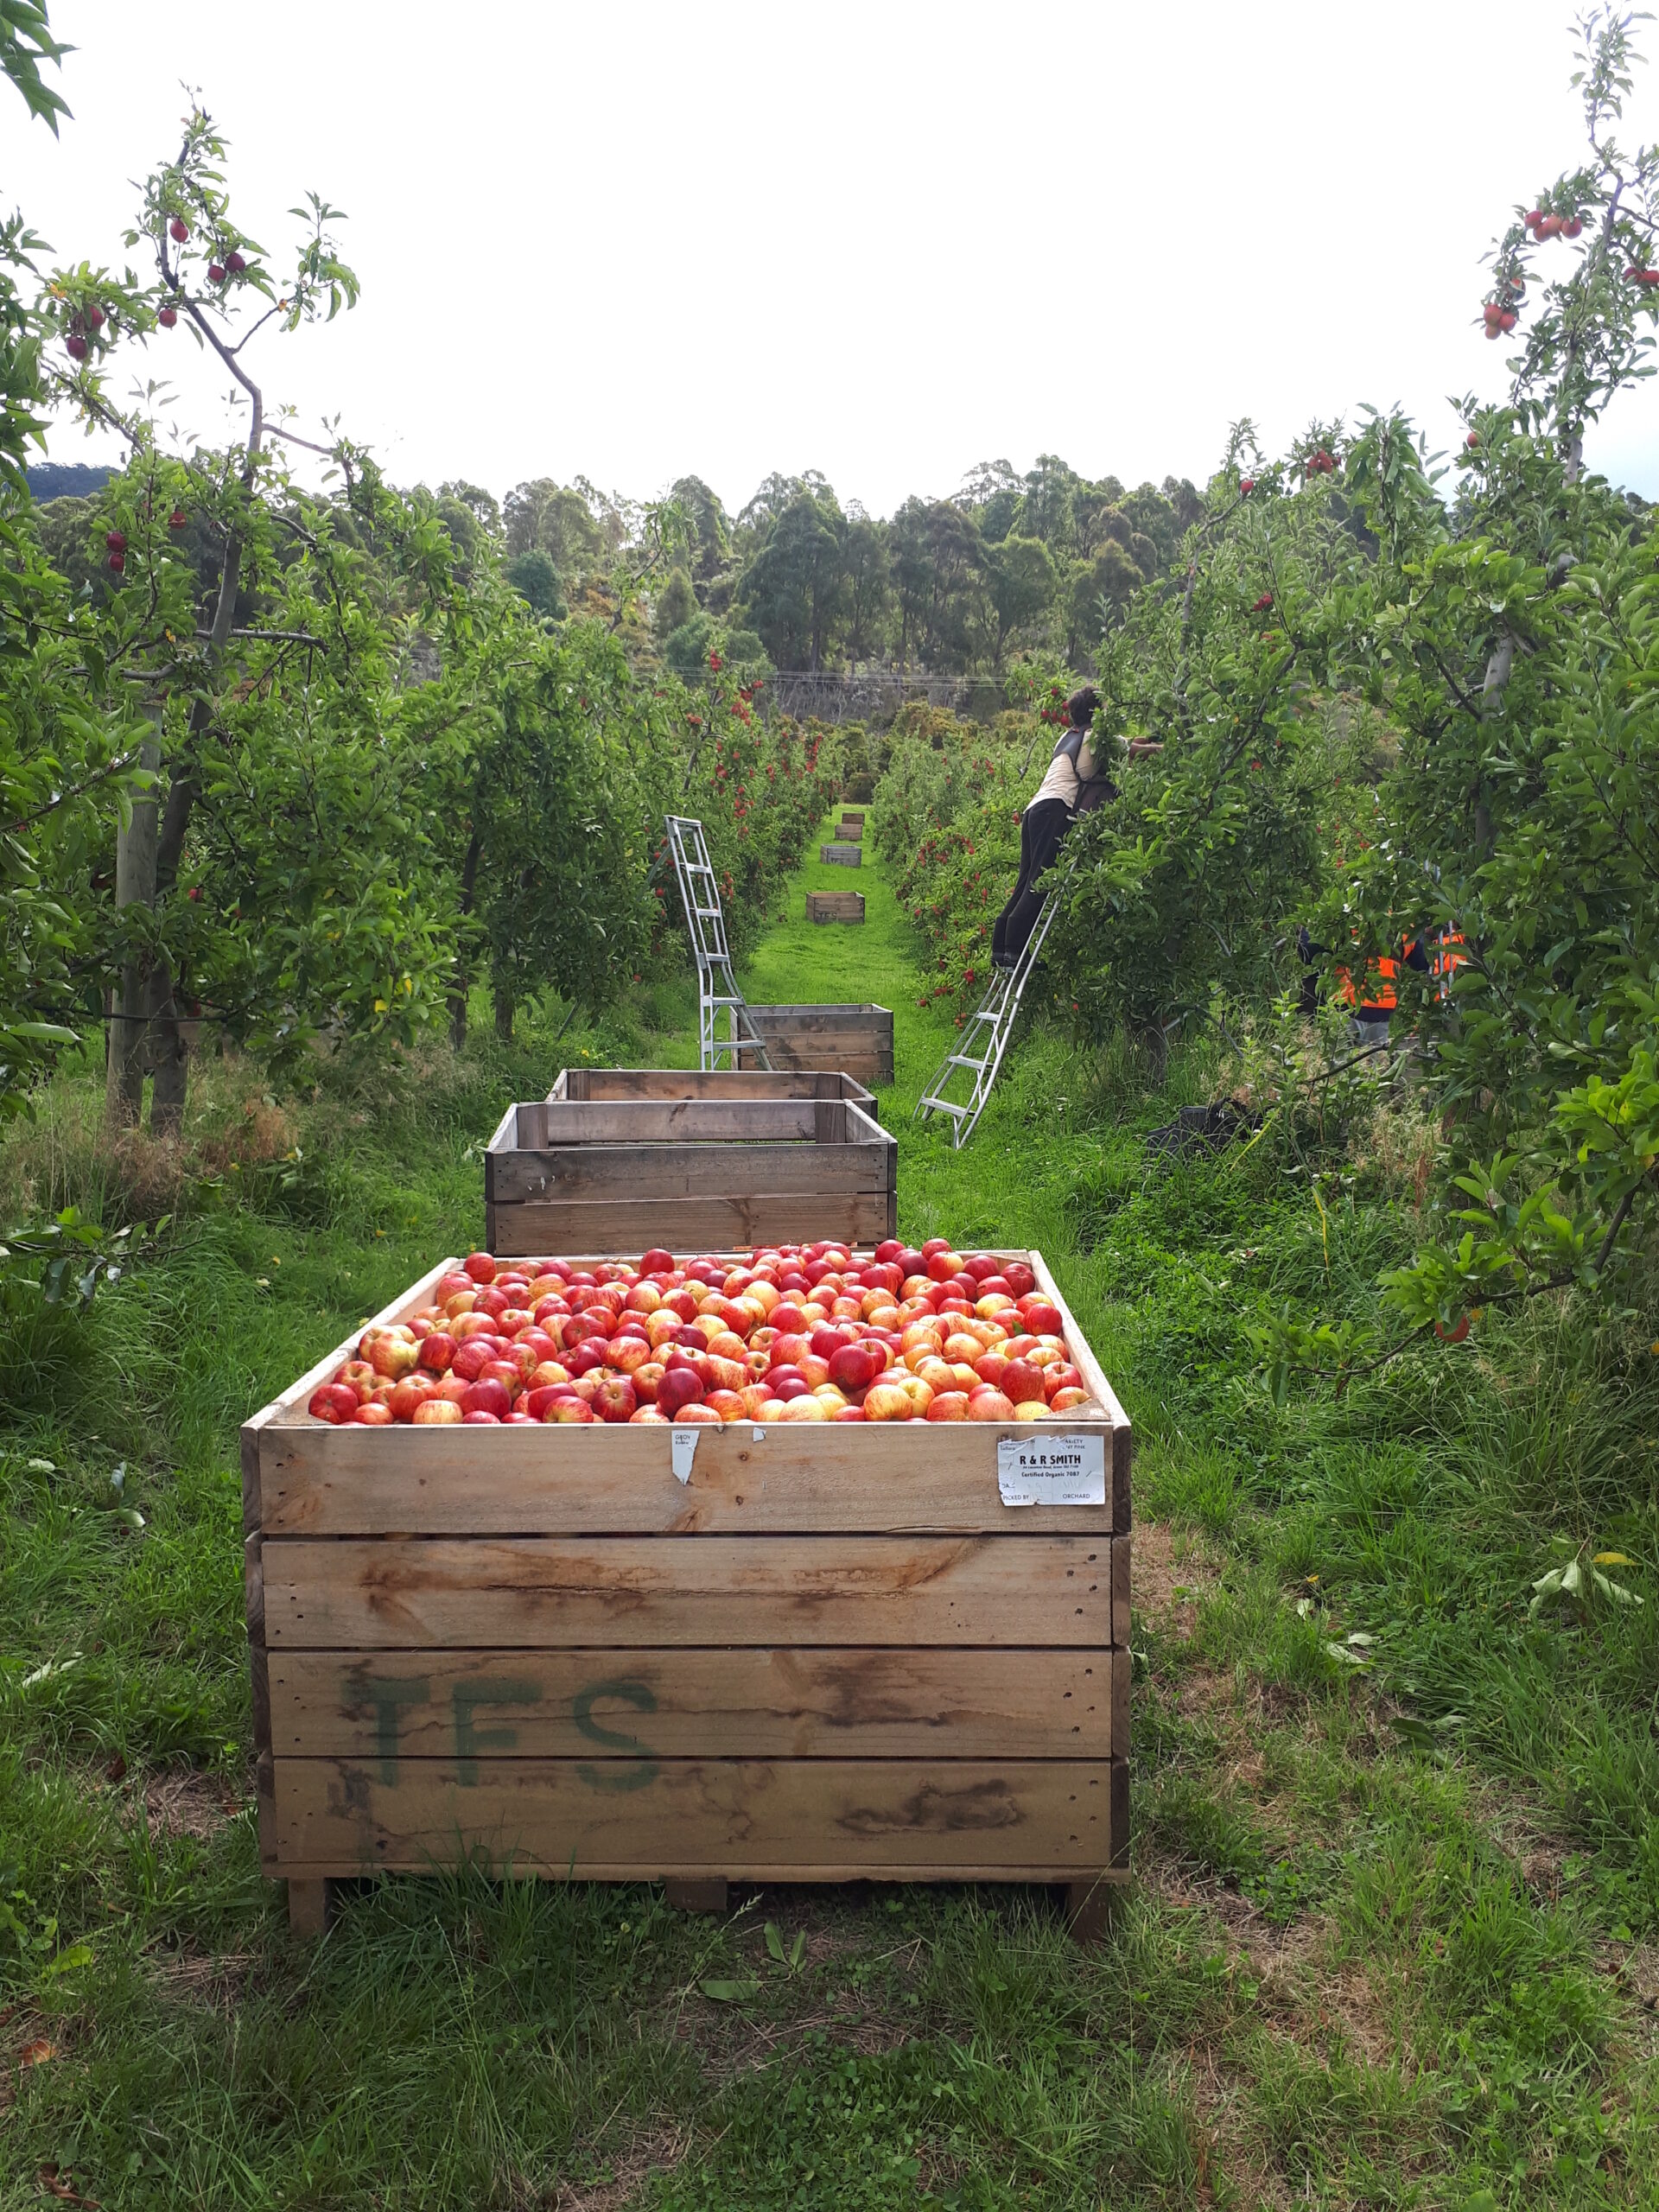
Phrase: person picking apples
(1075, 783)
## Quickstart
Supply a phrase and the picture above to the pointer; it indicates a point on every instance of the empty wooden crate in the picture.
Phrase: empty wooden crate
(808, 1653)
(834, 906)
(856, 1038)
(841, 855)
(619, 1175)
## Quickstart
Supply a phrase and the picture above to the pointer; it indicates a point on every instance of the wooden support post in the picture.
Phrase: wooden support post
(1092, 1908)
(705, 1895)
(309, 1903)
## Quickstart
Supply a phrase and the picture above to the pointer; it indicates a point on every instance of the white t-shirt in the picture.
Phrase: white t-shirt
(1065, 780)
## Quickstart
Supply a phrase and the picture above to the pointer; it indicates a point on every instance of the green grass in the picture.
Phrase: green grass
(1397, 1900)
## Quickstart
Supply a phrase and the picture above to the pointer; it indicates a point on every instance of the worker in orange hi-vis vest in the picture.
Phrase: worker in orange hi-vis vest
(1374, 1007)
(1448, 957)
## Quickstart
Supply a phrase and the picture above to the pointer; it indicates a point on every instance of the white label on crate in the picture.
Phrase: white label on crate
(1051, 1470)
(683, 1444)
(760, 1435)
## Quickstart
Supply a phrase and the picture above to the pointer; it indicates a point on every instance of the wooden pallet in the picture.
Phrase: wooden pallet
(825, 1654)
(845, 855)
(834, 906)
(855, 1038)
(618, 1175)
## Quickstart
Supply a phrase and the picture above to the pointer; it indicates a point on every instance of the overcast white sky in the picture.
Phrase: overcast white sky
(885, 241)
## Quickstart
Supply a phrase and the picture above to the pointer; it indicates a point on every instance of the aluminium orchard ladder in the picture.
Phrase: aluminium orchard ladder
(985, 1037)
(717, 990)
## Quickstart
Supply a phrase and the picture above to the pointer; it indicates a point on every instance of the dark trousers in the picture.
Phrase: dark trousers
(1042, 830)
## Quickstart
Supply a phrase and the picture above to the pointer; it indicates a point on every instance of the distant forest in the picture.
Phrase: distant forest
(1039, 565)
(61, 480)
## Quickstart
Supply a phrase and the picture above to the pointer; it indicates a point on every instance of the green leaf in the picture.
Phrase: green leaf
(730, 1993)
(68, 1961)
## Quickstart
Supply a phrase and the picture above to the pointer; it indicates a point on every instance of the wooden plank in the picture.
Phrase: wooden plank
(309, 1906)
(622, 1227)
(264, 1802)
(694, 1121)
(1099, 1389)
(253, 1587)
(260, 1687)
(1093, 1908)
(251, 1507)
(619, 1591)
(588, 1084)
(782, 1702)
(506, 1132)
(848, 1053)
(909, 1477)
(855, 1015)
(649, 1172)
(813, 1820)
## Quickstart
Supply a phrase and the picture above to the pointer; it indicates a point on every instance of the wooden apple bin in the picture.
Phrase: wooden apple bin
(834, 906)
(706, 1174)
(856, 1040)
(811, 1653)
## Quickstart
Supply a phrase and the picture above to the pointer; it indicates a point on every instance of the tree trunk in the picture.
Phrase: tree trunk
(167, 1045)
(504, 1013)
(169, 1057)
(1498, 668)
(135, 885)
(463, 986)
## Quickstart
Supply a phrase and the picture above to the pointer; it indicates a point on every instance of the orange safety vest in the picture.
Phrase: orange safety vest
(1379, 980)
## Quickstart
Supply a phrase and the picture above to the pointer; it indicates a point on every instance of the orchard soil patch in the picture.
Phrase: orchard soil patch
(182, 1802)
(1166, 1561)
(218, 1983)
(657, 2151)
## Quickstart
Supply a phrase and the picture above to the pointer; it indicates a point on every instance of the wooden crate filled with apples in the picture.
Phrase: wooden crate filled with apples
(816, 1567)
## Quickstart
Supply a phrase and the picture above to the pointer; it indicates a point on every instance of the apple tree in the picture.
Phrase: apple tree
(265, 881)
(71, 728)
(1513, 642)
